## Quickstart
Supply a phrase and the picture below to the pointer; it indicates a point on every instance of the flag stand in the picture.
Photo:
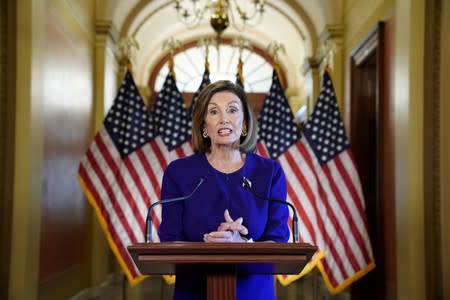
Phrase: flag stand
(163, 288)
(124, 287)
(316, 292)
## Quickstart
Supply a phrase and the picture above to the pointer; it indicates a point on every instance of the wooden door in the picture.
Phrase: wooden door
(371, 131)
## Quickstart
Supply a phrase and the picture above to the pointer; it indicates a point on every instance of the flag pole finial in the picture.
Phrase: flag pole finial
(204, 44)
(128, 47)
(171, 45)
(273, 49)
(241, 43)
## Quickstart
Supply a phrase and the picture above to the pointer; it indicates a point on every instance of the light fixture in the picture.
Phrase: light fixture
(221, 13)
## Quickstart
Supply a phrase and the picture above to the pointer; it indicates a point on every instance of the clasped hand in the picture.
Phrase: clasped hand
(230, 231)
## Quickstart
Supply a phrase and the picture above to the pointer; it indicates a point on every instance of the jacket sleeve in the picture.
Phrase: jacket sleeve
(277, 224)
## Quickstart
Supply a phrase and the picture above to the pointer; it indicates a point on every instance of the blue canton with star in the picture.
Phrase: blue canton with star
(170, 115)
(128, 122)
(325, 130)
(277, 127)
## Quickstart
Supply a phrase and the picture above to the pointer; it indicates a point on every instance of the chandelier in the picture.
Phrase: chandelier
(220, 12)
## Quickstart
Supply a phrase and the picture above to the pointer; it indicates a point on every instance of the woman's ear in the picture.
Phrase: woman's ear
(244, 130)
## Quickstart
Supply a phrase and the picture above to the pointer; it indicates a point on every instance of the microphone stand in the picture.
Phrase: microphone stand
(148, 221)
(295, 233)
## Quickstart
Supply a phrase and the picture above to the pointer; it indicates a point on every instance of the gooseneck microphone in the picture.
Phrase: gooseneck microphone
(148, 222)
(295, 235)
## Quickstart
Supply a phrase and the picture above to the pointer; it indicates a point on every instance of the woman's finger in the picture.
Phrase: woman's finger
(224, 226)
(218, 236)
(238, 227)
(221, 234)
(209, 239)
(227, 216)
(242, 230)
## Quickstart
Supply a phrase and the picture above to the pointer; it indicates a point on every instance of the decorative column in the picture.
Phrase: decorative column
(27, 82)
(105, 87)
(105, 68)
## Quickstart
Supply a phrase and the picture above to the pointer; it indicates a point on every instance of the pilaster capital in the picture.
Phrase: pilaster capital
(332, 32)
(106, 28)
(331, 43)
(310, 64)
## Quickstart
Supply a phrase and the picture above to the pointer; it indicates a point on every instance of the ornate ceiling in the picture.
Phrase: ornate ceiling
(295, 24)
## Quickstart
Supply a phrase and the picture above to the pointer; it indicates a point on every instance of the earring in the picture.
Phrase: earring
(204, 133)
(244, 132)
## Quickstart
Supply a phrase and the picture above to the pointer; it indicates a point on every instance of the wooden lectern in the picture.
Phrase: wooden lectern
(221, 261)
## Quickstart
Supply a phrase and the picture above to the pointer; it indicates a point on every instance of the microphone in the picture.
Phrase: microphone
(295, 235)
(148, 222)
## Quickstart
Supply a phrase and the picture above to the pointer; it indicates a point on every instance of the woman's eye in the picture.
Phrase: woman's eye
(232, 110)
(213, 111)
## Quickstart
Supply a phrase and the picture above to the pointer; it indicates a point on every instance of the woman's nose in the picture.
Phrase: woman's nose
(223, 118)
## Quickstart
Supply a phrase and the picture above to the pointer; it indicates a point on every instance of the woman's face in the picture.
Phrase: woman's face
(224, 119)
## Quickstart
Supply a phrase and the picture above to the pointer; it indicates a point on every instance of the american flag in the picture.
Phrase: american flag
(324, 186)
(115, 173)
(342, 231)
(122, 170)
